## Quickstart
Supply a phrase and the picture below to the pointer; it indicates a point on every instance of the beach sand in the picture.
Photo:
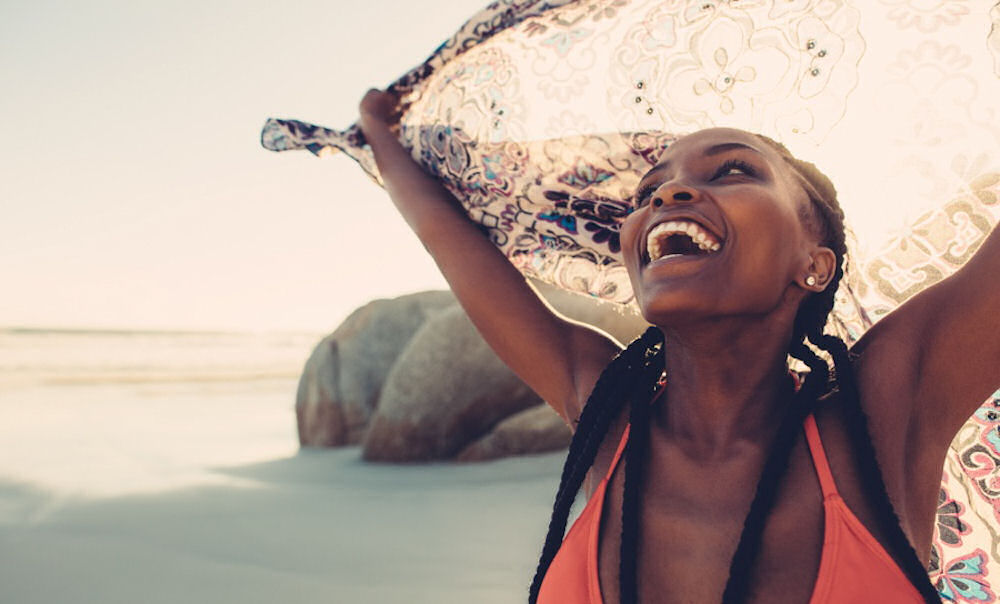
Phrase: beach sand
(195, 491)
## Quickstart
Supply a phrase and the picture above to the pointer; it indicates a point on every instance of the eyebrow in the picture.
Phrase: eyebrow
(713, 150)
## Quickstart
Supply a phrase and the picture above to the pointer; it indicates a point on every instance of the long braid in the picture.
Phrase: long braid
(871, 473)
(636, 450)
(802, 404)
(738, 584)
(595, 419)
(823, 196)
(603, 405)
(808, 326)
(810, 323)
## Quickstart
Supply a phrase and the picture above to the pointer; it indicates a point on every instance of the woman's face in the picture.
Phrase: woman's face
(716, 230)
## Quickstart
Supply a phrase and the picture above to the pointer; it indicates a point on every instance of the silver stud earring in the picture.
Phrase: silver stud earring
(810, 280)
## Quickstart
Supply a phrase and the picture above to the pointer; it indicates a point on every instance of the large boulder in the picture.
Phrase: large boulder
(449, 391)
(535, 430)
(343, 377)
(540, 429)
(446, 390)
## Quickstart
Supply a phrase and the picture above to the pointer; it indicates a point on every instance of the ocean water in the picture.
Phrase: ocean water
(70, 356)
(101, 412)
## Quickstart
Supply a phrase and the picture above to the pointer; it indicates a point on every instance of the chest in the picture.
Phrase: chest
(691, 520)
(690, 526)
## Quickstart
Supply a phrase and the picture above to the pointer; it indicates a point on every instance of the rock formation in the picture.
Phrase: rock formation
(342, 379)
(446, 390)
(534, 430)
(412, 380)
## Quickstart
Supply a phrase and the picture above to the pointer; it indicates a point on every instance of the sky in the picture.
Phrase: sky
(134, 190)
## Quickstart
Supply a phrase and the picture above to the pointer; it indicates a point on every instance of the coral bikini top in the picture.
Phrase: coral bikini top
(854, 567)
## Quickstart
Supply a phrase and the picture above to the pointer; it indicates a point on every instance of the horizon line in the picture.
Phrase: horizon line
(105, 330)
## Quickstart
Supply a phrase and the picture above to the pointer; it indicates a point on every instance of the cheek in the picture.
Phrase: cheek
(630, 231)
(769, 256)
(628, 234)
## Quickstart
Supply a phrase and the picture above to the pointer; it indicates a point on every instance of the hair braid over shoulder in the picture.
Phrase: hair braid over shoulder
(616, 384)
(809, 326)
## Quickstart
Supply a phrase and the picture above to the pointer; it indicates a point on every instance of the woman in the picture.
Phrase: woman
(735, 251)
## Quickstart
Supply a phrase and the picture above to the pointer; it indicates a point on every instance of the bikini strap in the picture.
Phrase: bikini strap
(618, 453)
(624, 440)
(819, 459)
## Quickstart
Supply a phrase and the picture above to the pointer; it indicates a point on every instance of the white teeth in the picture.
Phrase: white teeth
(703, 239)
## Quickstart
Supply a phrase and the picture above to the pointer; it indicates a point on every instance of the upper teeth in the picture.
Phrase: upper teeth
(705, 240)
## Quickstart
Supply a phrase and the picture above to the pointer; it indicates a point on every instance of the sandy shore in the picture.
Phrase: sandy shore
(178, 493)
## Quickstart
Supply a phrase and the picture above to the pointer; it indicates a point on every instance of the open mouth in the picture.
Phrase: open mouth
(679, 238)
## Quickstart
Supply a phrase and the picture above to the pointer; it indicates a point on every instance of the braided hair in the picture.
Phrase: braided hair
(632, 376)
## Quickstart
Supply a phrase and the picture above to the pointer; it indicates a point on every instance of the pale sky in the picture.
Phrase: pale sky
(135, 193)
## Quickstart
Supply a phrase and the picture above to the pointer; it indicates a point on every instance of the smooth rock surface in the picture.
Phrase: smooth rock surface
(535, 430)
(342, 380)
(446, 390)
(450, 392)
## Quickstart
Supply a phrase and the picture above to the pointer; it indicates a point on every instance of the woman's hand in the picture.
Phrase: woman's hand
(380, 108)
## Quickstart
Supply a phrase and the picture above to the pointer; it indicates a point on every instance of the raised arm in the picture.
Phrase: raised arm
(941, 350)
(558, 358)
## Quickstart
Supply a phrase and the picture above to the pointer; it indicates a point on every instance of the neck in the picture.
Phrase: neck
(724, 384)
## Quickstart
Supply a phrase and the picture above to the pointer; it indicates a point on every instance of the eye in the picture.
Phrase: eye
(642, 195)
(727, 168)
(734, 164)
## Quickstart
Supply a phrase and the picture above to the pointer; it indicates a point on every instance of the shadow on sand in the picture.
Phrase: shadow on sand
(321, 526)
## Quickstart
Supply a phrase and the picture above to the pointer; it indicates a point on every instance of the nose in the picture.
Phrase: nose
(674, 192)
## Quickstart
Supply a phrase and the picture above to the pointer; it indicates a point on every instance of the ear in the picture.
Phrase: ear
(822, 266)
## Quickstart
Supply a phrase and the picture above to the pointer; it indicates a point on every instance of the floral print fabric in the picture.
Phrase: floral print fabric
(541, 116)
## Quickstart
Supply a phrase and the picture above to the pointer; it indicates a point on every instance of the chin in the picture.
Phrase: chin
(666, 307)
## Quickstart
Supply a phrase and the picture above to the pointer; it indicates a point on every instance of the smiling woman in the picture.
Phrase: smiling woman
(699, 191)
(743, 479)
(724, 324)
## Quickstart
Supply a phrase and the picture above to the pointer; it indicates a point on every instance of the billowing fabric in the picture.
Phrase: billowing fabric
(540, 117)
(854, 567)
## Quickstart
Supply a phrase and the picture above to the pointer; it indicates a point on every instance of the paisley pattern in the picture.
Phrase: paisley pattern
(964, 579)
(541, 116)
(951, 528)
